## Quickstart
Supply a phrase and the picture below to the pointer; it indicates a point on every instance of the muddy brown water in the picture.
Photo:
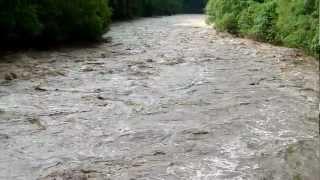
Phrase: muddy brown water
(168, 98)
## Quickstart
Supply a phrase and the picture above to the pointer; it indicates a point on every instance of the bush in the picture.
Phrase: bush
(293, 23)
(247, 19)
(264, 22)
(53, 20)
(225, 14)
(298, 24)
(228, 22)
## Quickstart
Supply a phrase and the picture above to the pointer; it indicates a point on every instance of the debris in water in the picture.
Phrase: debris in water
(36, 121)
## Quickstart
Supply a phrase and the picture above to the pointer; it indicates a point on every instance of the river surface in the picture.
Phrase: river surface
(165, 98)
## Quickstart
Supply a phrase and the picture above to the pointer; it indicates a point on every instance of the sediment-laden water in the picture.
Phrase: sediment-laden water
(168, 98)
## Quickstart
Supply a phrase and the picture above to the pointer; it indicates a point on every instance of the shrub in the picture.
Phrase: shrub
(298, 24)
(264, 22)
(228, 22)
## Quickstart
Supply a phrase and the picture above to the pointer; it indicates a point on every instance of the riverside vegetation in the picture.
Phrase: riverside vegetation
(292, 23)
(52, 20)
(26, 21)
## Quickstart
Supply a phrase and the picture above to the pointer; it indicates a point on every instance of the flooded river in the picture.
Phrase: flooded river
(168, 98)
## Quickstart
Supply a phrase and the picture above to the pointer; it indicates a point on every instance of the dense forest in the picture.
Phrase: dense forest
(27, 21)
(293, 23)
(123, 9)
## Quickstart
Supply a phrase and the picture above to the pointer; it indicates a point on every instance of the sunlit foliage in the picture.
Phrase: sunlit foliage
(294, 23)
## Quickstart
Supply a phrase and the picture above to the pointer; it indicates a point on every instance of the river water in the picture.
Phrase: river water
(168, 98)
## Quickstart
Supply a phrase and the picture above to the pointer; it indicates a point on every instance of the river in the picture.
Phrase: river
(166, 98)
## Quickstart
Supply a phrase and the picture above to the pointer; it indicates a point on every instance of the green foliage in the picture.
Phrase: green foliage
(166, 7)
(299, 24)
(293, 23)
(52, 20)
(228, 22)
(194, 6)
(124, 9)
(264, 22)
(41, 21)
(225, 13)
(247, 19)
(17, 19)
